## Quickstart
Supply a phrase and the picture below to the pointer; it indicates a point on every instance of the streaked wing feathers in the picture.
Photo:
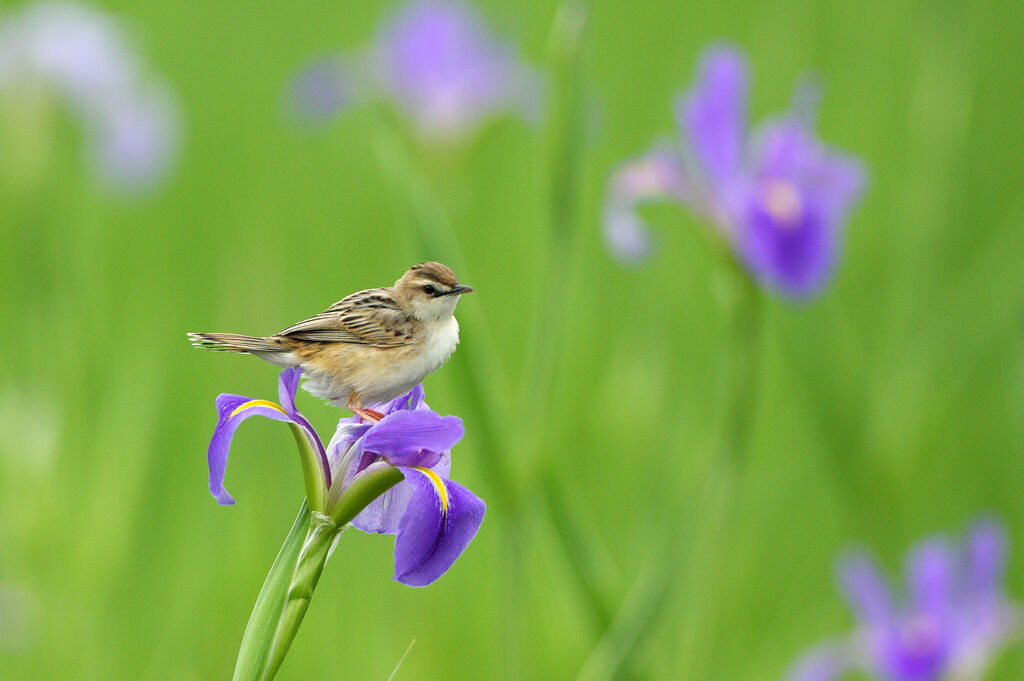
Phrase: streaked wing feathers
(368, 317)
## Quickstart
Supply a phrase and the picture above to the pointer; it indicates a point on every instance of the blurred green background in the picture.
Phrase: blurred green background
(889, 408)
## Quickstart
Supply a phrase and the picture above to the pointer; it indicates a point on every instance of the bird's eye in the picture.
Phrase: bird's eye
(429, 290)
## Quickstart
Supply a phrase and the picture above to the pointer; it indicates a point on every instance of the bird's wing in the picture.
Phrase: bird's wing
(368, 317)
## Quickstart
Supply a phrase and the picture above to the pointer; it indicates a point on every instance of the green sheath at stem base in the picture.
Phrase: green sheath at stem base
(286, 593)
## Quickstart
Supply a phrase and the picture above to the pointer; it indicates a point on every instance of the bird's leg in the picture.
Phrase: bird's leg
(365, 413)
(371, 415)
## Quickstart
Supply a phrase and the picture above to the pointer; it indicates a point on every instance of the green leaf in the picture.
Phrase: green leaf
(260, 632)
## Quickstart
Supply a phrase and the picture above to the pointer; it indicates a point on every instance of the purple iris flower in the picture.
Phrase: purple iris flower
(434, 519)
(81, 56)
(778, 195)
(437, 62)
(952, 622)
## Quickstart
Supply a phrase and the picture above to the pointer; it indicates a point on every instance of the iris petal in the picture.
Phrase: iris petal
(402, 435)
(385, 513)
(441, 519)
(931, 577)
(655, 176)
(866, 589)
(231, 411)
(714, 114)
(287, 385)
(987, 546)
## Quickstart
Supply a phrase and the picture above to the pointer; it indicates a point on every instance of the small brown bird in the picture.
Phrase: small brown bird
(369, 347)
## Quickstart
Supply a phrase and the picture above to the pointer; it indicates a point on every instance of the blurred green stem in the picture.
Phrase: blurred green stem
(567, 141)
(742, 301)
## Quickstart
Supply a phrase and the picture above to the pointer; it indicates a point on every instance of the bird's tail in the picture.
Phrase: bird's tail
(234, 342)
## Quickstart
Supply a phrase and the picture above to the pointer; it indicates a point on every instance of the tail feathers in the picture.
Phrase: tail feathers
(233, 342)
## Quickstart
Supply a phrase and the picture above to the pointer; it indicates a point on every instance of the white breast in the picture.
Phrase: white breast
(442, 337)
(387, 381)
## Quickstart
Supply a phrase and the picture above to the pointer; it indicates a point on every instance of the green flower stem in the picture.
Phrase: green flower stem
(286, 593)
(259, 633)
(309, 564)
(742, 301)
(312, 473)
(566, 142)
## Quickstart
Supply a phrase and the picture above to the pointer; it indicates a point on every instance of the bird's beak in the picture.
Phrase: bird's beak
(458, 290)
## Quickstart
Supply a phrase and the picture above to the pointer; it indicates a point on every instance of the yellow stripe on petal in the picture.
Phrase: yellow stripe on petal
(438, 484)
(257, 403)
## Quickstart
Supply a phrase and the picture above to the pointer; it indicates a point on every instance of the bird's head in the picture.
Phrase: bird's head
(429, 291)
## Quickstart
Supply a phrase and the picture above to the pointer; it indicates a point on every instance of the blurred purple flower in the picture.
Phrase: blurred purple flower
(321, 89)
(953, 622)
(778, 195)
(437, 62)
(81, 56)
(434, 519)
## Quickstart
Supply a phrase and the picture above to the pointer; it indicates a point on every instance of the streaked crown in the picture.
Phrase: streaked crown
(430, 290)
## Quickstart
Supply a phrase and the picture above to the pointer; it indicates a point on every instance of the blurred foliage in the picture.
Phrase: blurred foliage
(889, 408)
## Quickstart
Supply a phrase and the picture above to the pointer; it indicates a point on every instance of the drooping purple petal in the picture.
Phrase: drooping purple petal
(385, 513)
(785, 241)
(865, 589)
(714, 114)
(917, 650)
(441, 519)
(231, 411)
(402, 435)
(827, 662)
(656, 176)
(789, 231)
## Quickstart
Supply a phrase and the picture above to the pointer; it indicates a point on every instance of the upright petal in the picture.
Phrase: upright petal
(713, 114)
(987, 545)
(830, 180)
(441, 519)
(402, 435)
(865, 589)
(932, 578)
(287, 386)
(414, 400)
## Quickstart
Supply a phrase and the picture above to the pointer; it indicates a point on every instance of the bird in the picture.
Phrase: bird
(369, 347)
